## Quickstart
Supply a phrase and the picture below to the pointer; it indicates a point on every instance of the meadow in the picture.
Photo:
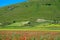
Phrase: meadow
(32, 10)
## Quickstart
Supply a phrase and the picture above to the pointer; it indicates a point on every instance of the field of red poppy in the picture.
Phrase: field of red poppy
(29, 35)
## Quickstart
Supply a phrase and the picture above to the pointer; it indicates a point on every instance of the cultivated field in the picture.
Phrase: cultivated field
(29, 35)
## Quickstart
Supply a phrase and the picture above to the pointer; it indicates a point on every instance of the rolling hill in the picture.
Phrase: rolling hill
(31, 10)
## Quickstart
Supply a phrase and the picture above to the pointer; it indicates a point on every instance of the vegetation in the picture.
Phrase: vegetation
(29, 35)
(31, 11)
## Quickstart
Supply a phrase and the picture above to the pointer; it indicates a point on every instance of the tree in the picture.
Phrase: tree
(14, 21)
(55, 22)
(48, 4)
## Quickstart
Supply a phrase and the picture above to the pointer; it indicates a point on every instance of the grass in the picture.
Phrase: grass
(45, 26)
(31, 11)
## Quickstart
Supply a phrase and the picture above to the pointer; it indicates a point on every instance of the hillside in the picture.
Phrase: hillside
(31, 10)
(35, 9)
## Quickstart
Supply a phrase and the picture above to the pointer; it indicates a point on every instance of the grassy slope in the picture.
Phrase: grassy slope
(35, 9)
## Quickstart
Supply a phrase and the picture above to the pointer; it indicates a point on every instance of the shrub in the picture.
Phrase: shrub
(11, 8)
(26, 5)
(5, 23)
(14, 21)
(48, 4)
(55, 22)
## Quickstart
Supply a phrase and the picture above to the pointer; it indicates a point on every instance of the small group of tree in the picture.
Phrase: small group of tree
(11, 7)
(14, 21)
(5, 23)
(28, 23)
(55, 22)
(48, 4)
(26, 5)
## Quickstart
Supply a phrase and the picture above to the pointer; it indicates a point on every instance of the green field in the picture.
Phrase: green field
(12, 16)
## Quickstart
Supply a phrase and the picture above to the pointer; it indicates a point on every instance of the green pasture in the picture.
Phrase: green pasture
(30, 11)
(19, 26)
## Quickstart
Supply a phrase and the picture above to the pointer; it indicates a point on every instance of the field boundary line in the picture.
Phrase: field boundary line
(25, 30)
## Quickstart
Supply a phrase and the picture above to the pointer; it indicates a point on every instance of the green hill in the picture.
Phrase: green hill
(31, 10)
